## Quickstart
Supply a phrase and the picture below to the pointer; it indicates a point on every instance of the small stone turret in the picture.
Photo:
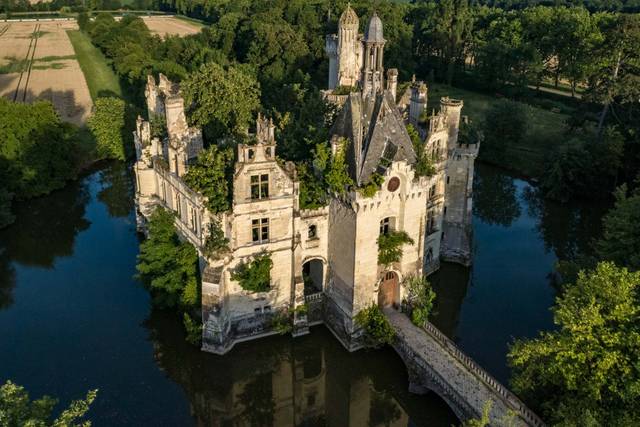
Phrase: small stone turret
(418, 102)
(392, 81)
(451, 108)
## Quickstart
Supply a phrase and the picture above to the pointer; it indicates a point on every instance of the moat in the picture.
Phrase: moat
(73, 318)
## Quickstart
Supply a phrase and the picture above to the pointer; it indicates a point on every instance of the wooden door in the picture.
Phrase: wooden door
(388, 290)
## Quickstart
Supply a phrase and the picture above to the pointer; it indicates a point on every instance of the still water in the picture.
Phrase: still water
(73, 318)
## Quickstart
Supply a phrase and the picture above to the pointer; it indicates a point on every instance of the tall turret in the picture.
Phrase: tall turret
(373, 56)
(348, 48)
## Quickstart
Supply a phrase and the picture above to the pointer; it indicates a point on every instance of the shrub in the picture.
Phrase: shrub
(344, 90)
(254, 276)
(377, 329)
(390, 246)
(420, 298)
(282, 322)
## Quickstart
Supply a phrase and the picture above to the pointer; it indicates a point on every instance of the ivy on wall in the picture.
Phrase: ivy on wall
(390, 246)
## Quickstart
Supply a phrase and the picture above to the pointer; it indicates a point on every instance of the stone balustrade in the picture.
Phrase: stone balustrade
(434, 362)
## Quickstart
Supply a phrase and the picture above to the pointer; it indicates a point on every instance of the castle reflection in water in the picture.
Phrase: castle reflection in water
(309, 381)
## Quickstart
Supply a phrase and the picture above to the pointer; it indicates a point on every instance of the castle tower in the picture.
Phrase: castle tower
(418, 102)
(348, 49)
(373, 56)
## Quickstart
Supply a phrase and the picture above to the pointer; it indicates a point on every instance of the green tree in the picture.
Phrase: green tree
(588, 367)
(211, 176)
(38, 152)
(620, 241)
(166, 265)
(107, 124)
(17, 409)
(216, 244)
(222, 100)
(505, 124)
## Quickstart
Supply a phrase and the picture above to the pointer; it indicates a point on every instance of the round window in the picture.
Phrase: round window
(394, 183)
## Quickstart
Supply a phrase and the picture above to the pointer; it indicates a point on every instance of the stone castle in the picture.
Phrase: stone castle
(326, 259)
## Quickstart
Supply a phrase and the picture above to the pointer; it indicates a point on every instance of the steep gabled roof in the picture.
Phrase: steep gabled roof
(376, 132)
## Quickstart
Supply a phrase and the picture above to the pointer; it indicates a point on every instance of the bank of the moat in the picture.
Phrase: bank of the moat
(73, 318)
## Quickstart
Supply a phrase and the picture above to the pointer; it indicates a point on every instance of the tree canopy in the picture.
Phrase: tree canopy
(586, 372)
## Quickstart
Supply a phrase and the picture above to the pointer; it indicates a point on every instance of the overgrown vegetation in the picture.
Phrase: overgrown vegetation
(17, 409)
(371, 188)
(377, 329)
(420, 299)
(390, 246)
(211, 176)
(254, 276)
(336, 175)
(216, 244)
(424, 163)
(168, 267)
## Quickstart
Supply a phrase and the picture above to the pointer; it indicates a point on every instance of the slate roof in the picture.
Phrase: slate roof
(374, 29)
(376, 132)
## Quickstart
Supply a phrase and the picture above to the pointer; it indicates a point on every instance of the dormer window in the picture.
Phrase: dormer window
(267, 152)
(259, 186)
(251, 154)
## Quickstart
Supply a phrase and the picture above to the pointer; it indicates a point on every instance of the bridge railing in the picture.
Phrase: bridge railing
(513, 401)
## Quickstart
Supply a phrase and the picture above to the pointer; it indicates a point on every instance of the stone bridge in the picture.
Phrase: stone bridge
(435, 363)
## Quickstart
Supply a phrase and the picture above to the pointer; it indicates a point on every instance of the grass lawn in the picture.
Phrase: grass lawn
(96, 69)
(546, 128)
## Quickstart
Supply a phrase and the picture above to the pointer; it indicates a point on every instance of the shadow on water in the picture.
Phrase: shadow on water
(508, 292)
(307, 381)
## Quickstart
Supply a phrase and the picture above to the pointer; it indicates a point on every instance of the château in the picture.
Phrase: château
(325, 262)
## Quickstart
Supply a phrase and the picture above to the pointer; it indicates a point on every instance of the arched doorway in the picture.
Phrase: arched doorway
(313, 276)
(389, 292)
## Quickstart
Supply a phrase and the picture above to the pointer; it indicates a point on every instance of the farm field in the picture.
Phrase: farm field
(164, 26)
(38, 62)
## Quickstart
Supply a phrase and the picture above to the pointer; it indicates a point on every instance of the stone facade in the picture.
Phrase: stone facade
(327, 258)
